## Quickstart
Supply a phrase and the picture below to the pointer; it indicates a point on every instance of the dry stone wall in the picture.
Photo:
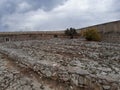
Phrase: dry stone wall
(110, 31)
(22, 37)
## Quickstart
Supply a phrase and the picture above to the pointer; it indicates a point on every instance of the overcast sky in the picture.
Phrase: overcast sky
(33, 15)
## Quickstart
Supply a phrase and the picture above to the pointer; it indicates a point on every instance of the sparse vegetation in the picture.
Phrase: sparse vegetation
(71, 32)
(92, 35)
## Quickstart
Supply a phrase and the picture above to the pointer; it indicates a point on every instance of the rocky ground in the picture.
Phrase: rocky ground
(72, 64)
(15, 77)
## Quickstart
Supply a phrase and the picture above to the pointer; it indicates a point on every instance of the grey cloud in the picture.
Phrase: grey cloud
(56, 14)
(11, 7)
(116, 5)
(45, 4)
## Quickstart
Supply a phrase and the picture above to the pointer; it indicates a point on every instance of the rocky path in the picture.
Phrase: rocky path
(14, 77)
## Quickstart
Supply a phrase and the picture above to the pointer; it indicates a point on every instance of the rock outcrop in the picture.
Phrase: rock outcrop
(86, 65)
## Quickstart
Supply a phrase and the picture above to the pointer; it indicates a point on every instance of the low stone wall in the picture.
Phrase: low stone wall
(73, 76)
(6, 37)
(22, 37)
(111, 39)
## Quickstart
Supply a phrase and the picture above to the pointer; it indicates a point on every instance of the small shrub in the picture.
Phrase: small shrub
(71, 32)
(92, 35)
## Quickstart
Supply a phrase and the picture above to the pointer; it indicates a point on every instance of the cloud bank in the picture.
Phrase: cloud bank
(39, 15)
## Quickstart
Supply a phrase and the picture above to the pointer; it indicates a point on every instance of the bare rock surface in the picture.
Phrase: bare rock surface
(15, 77)
(93, 65)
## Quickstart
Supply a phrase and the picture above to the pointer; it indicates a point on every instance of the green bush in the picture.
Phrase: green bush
(71, 32)
(92, 35)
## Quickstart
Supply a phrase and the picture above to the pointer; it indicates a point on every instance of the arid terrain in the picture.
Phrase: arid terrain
(59, 64)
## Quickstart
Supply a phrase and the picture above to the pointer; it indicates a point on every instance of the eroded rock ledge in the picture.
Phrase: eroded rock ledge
(68, 74)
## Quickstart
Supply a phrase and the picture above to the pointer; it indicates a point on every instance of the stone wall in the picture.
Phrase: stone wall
(21, 36)
(110, 31)
(16, 36)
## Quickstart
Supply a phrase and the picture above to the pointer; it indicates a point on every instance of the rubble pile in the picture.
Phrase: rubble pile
(87, 65)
